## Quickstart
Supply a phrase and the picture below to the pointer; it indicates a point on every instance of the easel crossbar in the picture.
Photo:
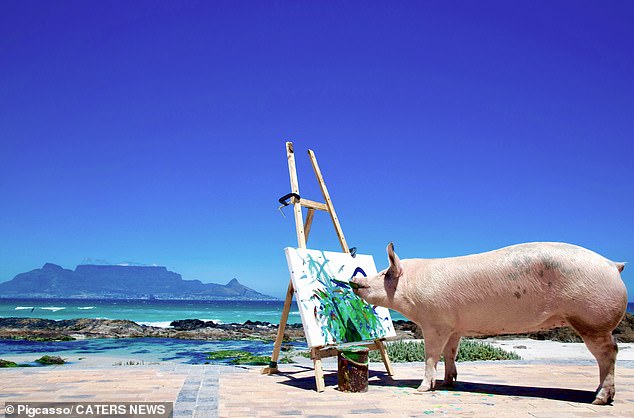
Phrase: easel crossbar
(311, 204)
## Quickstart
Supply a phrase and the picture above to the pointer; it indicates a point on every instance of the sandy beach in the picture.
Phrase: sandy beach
(546, 350)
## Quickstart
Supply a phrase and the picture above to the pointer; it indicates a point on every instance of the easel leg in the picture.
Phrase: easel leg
(386, 359)
(319, 370)
(280, 333)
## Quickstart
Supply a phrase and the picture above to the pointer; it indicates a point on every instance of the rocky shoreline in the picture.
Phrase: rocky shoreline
(38, 329)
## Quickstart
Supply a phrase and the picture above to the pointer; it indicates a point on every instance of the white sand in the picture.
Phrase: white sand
(551, 350)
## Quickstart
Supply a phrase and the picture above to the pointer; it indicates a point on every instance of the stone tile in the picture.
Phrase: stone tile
(484, 389)
(500, 390)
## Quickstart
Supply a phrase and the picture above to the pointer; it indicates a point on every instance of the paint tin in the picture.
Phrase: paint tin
(352, 371)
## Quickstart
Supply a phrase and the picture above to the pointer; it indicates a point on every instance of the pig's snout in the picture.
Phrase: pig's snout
(357, 284)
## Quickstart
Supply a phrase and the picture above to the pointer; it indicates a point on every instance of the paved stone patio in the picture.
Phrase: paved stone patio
(484, 389)
(517, 388)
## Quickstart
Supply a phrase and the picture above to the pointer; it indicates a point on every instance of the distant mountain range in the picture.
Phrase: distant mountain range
(119, 282)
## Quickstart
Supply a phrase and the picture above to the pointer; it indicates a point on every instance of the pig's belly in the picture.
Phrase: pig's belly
(505, 318)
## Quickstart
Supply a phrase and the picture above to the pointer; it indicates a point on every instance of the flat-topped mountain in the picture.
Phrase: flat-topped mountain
(119, 282)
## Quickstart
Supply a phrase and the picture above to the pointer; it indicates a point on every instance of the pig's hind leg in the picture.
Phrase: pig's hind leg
(435, 341)
(604, 349)
(602, 346)
(450, 352)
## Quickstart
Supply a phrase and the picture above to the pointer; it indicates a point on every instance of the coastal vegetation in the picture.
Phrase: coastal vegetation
(41, 339)
(407, 351)
(7, 363)
(44, 360)
(47, 360)
(469, 350)
(243, 357)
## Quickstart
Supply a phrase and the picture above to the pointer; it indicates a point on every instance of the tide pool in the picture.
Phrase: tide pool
(134, 350)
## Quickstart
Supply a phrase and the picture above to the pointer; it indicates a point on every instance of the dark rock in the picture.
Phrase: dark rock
(187, 324)
(27, 323)
(624, 332)
(407, 329)
(195, 329)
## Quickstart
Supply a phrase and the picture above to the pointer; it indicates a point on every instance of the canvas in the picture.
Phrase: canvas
(331, 313)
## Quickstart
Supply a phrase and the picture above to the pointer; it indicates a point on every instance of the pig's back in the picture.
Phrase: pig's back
(527, 287)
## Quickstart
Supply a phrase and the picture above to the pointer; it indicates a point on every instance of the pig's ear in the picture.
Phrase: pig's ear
(396, 268)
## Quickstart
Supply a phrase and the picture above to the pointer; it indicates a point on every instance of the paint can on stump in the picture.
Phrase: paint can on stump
(352, 371)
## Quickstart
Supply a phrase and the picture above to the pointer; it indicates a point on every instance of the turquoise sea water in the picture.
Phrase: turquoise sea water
(134, 350)
(149, 312)
(157, 312)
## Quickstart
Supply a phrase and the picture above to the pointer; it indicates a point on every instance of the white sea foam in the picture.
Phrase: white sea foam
(166, 324)
(21, 308)
(158, 324)
(52, 308)
(86, 307)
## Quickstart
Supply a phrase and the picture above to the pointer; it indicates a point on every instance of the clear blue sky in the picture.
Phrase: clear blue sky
(154, 131)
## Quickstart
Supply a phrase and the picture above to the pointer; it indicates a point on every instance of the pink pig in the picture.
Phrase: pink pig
(517, 289)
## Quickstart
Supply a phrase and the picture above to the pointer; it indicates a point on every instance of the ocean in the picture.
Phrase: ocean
(148, 312)
(157, 313)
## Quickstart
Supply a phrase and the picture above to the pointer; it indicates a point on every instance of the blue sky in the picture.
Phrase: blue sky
(154, 131)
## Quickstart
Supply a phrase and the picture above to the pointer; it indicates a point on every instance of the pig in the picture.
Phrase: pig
(517, 289)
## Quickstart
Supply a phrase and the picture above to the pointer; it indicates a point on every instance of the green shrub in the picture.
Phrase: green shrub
(472, 350)
(239, 357)
(469, 350)
(50, 360)
(402, 352)
(227, 354)
(252, 360)
(59, 338)
(287, 359)
(7, 363)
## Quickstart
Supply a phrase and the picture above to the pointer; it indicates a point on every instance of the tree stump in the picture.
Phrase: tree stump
(352, 371)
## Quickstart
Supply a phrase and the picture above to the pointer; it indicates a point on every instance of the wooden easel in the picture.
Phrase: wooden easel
(303, 228)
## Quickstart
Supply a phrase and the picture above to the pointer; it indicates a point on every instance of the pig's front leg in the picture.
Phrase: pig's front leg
(435, 341)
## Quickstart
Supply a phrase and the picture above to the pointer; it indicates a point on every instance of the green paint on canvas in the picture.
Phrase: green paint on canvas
(344, 317)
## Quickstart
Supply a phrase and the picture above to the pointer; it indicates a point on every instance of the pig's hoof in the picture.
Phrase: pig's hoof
(424, 387)
(604, 397)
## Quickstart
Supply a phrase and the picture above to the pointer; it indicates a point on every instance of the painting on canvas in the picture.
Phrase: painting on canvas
(331, 313)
